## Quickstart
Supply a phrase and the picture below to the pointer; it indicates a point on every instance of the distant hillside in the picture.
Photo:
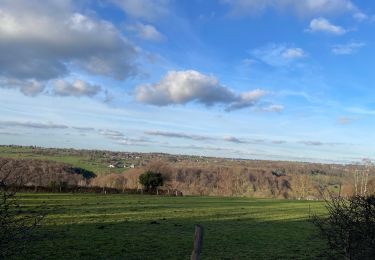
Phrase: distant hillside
(192, 175)
(31, 172)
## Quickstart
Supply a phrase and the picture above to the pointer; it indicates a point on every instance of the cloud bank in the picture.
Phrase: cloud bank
(44, 40)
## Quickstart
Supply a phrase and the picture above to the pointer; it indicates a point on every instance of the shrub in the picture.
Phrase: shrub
(151, 180)
(350, 226)
(16, 226)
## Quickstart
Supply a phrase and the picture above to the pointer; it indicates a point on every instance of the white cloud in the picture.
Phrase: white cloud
(346, 49)
(278, 54)
(272, 108)
(144, 9)
(246, 99)
(299, 7)
(146, 32)
(42, 39)
(181, 87)
(323, 25)
(77, 88)
(293, 53)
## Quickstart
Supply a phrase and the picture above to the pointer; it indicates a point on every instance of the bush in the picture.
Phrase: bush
(350, 227)
(16, 226)
(151, 180)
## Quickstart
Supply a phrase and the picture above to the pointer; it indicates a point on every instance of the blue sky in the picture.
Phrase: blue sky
(270, 79)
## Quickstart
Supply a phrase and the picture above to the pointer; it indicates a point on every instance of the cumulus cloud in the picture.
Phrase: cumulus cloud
(77, 88)
(323, 25)
(181, 87)
(146, 32)
(347, 49)
(301, 8)
(246, 99)
(278, 54)
(30, 87)
(32, 125)
(41, 39)
(144, 9)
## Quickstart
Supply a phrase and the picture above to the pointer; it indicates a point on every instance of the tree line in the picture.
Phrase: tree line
(265, 181)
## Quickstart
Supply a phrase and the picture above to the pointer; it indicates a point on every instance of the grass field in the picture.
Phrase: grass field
(97, 166)
(149, 227)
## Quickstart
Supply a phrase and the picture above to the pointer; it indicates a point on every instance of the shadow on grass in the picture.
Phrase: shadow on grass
(172, 238)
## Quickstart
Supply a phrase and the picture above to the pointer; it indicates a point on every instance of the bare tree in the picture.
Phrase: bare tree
(361, 177)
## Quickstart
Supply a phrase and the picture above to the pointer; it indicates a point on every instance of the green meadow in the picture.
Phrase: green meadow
(96, 165)
(93, 226)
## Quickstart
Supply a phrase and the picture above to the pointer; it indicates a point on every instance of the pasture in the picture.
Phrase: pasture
(96, 165)
(95, 226)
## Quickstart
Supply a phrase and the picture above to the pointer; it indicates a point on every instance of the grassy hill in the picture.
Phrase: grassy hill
(81, 160)
(146, 227)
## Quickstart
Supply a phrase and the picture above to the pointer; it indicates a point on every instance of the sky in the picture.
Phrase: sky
(254, 79)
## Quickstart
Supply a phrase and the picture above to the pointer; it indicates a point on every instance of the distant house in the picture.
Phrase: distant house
(310, 197)
(111, 166)
(132, 166)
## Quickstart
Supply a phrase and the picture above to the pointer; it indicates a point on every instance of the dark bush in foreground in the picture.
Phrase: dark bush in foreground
(16, 226)
(151, 180)
(350, 227)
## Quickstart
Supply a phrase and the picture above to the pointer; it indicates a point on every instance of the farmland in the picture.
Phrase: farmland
(151, 227)
(78, 160)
